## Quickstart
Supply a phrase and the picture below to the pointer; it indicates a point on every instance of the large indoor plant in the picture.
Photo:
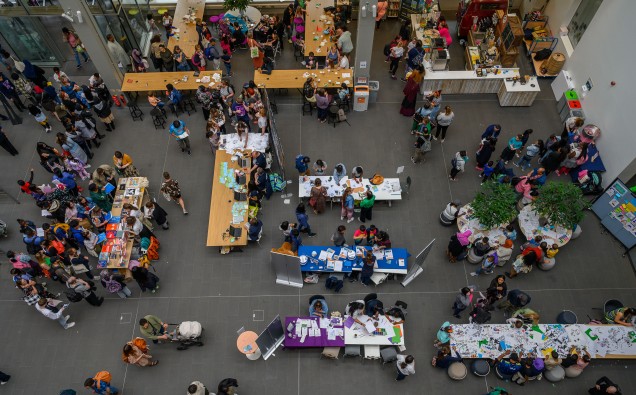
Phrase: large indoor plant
(240, 5)
(561, 203)
(494, 205)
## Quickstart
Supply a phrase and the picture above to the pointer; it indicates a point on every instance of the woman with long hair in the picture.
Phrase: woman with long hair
(135, 352)
(411, 90)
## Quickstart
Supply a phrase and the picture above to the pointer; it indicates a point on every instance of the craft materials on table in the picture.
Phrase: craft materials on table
(381, 331)
(232, 144)
(348, 259)
(529, 224)
(466, 220)
(314, 332)
(390, 189)
(490, 341)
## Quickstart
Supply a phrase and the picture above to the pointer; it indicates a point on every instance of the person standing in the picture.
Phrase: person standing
(302, 165)
(181, 133)
(457, 164)
(338, 237)
(100, 384)
(411, 90)
(303, 220)
(152, 328)
(322, 103)
(170, 189)
(462, 301)
(444, 120)
(76, 45)
(347, 202)
(6, 144)
(339, 172)
(405, 366)
(114, 283)
(396, 54)
(318, 197)
(85, 289)
(153, 211)
(54, 310)
(118, 53)
(366, 207)
(383, 5)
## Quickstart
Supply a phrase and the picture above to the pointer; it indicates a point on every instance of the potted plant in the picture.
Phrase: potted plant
(494, 205)
(240, 5)
(561, 203)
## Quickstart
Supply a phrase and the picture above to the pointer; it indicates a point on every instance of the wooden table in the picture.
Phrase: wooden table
(143, 82)
(315, 40)
(296, 78)
(120, 260)
(188, 36)
(221, 206)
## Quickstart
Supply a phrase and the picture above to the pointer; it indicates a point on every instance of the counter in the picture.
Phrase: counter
(517, 95)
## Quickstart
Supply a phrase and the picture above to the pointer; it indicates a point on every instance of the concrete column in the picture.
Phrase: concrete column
(364, 39)
(95, 43)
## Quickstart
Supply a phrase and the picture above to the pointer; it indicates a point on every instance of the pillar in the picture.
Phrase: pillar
(95, 43)
(364, 38)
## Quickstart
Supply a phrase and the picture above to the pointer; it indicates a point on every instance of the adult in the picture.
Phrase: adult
(347, 202)
(124, 165)
(318, 197)
(145, 279)
(367, 269)
(118, 53)
(100, 384)
(152, 210)
(54, 309)
(395, 56)
(605, 386)
(623, 316)
(492, 130)
(256, 51)
(227, 387)
(72, 147)
(322, 104)
(405, 364)
(514, 144)
(484, 152)
(76, 45)
(303, 220)
(444, 120)
(366, 207)
(445, 358)
(302, 165)
(458, 165)
(85, 289)
(458, 246)
(515, 300)
(135, 352)
(309, 90)
(345, 45)
(411, 90)
(114, 283)
(442, 28)
(506, 368)
(462, 301)
(6, 144)
(381, 9)
(339, 172)
(171, 191)
(180, 59)
(497, 290)
(531, 369)
(181, 134)
(167, 58)
(153, 328)
(155, 55)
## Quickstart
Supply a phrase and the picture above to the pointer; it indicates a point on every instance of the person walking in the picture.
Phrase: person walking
(405, 366)
(118, 53)
(531, 151)
(462, 301)
(40, 117)
(6, 144)
(444, 120)
(76, 45)
(145, 279)
(100, 384)
(366, 207)
(457, 164)
(152, 328)
(135, 352)
(347, 202)
(153, 211)
(303, 220)
(171, 191)
(181, 133)
(54, 310)
(338, 237)
(395, 55)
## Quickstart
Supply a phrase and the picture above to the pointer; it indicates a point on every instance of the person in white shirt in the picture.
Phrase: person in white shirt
(405, 366)
(54, 309)
(344, 62)
(355, 310)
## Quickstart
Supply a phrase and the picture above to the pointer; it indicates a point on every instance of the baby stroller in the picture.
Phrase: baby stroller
(187, 334)
(592, 185)
(480, 313)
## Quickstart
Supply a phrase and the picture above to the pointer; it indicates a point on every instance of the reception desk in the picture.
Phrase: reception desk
(467, 82)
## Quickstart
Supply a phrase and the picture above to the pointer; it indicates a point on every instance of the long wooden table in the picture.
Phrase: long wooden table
(221, 206)
(315, 24)
(187, 35)
(140, 82)
(119, 247)
(296, 78)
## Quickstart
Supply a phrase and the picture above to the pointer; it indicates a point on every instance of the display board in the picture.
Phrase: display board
(408, 7)
(272, 337)
(416, 268)
(287, 269)
(616, 208)
(273, 133)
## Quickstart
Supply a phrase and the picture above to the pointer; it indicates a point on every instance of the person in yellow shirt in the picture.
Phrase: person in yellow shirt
(552, 251)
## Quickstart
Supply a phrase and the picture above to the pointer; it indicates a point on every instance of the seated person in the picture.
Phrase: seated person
(318, 308)
(551, 361)
(507, 367)
(371, 307)
(254, 229)
(343, 92)
(396, 315)
(354, 310)
(444, 358)
(382, 241)
(528, 316)
(531, 370)
(311, 61)
(623, 316)
(443, 335)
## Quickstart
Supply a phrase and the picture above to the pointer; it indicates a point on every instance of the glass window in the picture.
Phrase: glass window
(581, 19)
(24, 39)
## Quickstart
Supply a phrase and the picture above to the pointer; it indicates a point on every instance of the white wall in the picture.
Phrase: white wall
(604, 54)
(559, 14)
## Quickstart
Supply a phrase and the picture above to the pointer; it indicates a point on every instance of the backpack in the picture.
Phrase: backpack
(480, 315)
(334, 283)
(59, 247)
(112, 286)
(61, 225)
(211, 53)
(102, 376)
(73, 296)
(277, 182)
(341, 115)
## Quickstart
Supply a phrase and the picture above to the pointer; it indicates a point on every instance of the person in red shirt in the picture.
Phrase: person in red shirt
(25, 185)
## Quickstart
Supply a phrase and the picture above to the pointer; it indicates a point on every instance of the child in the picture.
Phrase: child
(360, 235)
(510, 233)
(311, 61)
(227, 61)
(338, 237)
(371, 232)
(551, 252)
(536, 241)
(531, 151)
(487, 265)
(489, 169)
(40, 117)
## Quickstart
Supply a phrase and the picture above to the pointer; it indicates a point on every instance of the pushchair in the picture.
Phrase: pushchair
(592, 185)
(187, 334)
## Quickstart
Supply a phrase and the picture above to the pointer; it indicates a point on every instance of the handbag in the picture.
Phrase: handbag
(79, 268)
(254, 52)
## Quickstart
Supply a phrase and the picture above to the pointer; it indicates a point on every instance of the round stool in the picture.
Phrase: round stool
(572, 372)
(547, 264)
(555, 374)
(300, 29)
(457, 371)
(444, 220)
(567, 317)
(474, 258)
(576, 232)
(480, 367)
(506, 377)
(214, 19)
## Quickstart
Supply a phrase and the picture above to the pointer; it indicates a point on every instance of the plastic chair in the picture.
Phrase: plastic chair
(352, 351)
(330, 352)
(371, 352)
(388, 355)
(379, 278)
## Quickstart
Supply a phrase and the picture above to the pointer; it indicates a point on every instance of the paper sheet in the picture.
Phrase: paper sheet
(323, 255)
(324, 322)
(337, 267)
(388, 254)
(331, 334)
(369, 326)
(39, 232)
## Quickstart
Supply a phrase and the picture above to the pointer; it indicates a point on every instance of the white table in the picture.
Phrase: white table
(467, 221)
(529, 225)
(252, 13)
(389, 190)
(357, 334)
(255, 142)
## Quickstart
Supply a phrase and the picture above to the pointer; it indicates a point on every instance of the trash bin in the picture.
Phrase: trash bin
(374, 87)
(360, 98)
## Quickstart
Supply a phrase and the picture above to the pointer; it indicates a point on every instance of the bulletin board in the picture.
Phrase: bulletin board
(616, 208)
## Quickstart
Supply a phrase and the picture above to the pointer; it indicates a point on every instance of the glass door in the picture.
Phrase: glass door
(25, 37)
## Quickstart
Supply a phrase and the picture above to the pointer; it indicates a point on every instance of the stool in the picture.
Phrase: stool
(388, 355)
(457, 371)
(555, 374)
(502, 376)
(474, 258)
(176, 107)
(572, 372)
(307, 107)
(158, 118)
(480, 367)
(330, 352)
(133, 11)
(547, 264)
(352, 351)
(567, 317)
(188, 105)
(135, 112)
(371, 351)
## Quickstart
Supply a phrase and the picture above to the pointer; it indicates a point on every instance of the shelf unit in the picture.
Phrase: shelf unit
(393, 10)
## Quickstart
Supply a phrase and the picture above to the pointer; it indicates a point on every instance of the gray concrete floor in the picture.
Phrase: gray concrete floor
(223, 292)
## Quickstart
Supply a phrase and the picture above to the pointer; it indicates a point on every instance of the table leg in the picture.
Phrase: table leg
(254, 356)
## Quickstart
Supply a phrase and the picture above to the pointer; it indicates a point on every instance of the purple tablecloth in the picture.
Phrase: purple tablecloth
(294, 342)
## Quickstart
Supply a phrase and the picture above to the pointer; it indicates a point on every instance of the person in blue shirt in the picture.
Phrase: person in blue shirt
(302, 165)
(240, 111)
(339, 172)
(531, 151)
(295, 240)
(174, 97)
(489, 169)
(538, 175)
(507, 367)
(254, 229)
(319, 308)
(258, 160)
(100, 387)
(510, 233)
(445, 358)
(513, 145)
(67, 179)
(181, 133)
(303, 220)
(76, 231)
(491, 131)
(415, 57)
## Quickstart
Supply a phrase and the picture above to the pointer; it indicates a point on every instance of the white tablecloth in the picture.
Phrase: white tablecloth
(255, 142)
(389, 190)
(529, 225)
(467, 221)
(357, 334)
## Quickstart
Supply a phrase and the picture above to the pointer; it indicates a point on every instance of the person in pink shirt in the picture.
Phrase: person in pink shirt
(444, 32)
(383, 5)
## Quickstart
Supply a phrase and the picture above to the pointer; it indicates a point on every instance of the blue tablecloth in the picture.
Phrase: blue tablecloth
(383, 265)
(231, 19)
